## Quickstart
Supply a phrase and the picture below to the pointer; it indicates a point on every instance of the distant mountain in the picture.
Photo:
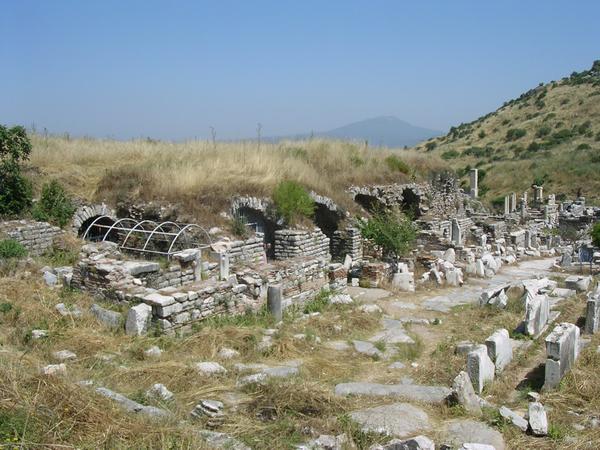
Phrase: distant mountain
(386, 131)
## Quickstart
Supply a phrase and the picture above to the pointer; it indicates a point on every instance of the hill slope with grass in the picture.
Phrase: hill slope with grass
(202, 176)
(549, 135)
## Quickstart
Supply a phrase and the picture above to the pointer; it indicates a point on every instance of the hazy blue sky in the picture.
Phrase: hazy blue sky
(172, 69)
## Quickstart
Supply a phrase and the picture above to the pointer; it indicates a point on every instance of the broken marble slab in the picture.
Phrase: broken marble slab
(410, 392)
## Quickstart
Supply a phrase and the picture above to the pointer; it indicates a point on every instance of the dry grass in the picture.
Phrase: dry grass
(202, 176)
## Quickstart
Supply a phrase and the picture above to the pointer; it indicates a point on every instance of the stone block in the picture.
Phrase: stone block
(592, 316)
(578, 283)
(499, 349)
(138, 319)
(480, 368)
(537, 311)
(562, 349)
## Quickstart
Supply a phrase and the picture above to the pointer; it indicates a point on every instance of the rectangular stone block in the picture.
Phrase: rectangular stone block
(562, 349)
(480, 368)
(592, 316)
(499, 349)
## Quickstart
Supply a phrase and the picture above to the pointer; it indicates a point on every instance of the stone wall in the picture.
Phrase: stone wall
(347, 242)
(36, 237)
(300, 243)
(102, 271)
(303, 278)
(249, 251)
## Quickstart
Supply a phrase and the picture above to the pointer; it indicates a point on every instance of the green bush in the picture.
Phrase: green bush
(430, 146)
(15, 190)
(395, 164)
(450, 154)
(542, 131)
(239, 226)
(9, 248)
(292, 201)
(55, 206)
(583, 147)
(515, 133)
(394, 232)
(595, 233)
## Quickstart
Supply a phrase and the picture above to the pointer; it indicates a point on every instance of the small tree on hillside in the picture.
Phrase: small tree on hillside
(55, 205)
(595, 233)
(15, 189)
(292, 201)
(393, 231)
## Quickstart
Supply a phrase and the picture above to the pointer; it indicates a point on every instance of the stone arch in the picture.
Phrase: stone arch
(369, 202)
(257, 212)
(411, 202)
(98, 228)
(83, 214)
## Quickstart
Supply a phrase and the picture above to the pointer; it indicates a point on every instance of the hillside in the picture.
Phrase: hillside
(550, 135)
(383, 131)
(202, 176)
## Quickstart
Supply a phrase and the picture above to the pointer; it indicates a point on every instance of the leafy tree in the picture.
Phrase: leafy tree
(393, 231)
(15, 190)
(55, 205)
(595, 233)
(292, 201)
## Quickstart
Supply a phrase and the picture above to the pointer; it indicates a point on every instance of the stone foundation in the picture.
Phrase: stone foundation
(36, 237)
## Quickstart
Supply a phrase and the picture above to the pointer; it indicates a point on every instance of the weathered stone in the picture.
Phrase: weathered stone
(538, 421)
(222, 441)
(562, 349)
(578, 283)
(228, 353)
(111, 319)
(425, 394)
(415, 443)
(132, 406)
(537, 312)
(514, 418)
(50, 279)
(39, 334)
(153, 352)
(397, 419)
(341, 299)
(138, 319)
(464, 394)
(367, 348)
(54, 369)
(458, 432)
(210, 368)
(499, 349)
(592, 316)
(480, 368)
(65, 311)
(64, 355)
(160, 392)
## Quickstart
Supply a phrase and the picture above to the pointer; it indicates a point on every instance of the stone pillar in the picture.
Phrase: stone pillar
(523, 209)
(198, 265)
(538, 194)
(223, 266)
(506, 205)
(473, 179)
(456, 233)
(513, 202)
(274, 303)
(525, 196)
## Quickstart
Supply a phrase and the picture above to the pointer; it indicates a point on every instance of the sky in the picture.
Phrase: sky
(173, 69)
